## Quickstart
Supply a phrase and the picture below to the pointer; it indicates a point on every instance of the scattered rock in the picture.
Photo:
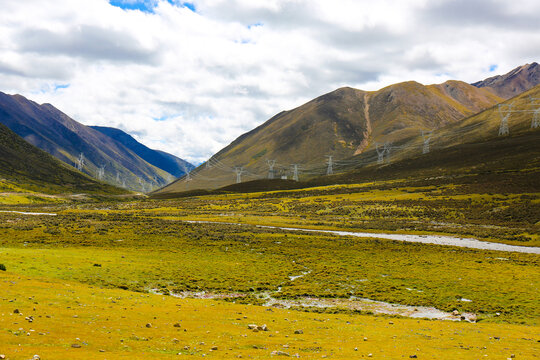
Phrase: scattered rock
(186, 347)
(455, 313)
(279, 353)
(101, 350)
(76, 346)
(2, 356)
(177, 325)
(262, 327)
(16, 311)
(214, 348)
(365, 338)
(36, 357)
(252, 326)
(175, 340)
(298, 331)
(148, 325)
(413, 357)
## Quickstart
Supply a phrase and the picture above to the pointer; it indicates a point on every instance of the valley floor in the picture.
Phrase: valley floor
(87, 281)
(66, 320)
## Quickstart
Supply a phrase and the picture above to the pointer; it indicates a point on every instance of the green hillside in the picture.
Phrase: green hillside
(341, 124)
(27, 172)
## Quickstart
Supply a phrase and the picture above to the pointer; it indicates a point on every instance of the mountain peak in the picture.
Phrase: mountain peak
(513, 83)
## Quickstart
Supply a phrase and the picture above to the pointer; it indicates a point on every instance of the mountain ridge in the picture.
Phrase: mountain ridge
(53, 131)
(341, 123)
(518, 80)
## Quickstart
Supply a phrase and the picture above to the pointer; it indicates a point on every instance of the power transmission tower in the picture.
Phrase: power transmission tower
(271, 164)
(295, 172)
(504, 112)
(238, 171)
(142, 184)
(80, 162)
(329, 169)
(535, 122)
(117, 177)
(387, 147)
(426, 137)
(380, 153)
(101, 172)
(124, 183)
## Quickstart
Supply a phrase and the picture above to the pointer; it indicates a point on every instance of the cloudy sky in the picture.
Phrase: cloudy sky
(188, 78)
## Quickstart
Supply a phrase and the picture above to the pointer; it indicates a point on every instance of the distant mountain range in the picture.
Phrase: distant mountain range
(107, 153)
(32, 169)
(160, 159)
(349, 123)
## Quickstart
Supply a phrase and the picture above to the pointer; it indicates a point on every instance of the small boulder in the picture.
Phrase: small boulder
(148, 325)
(16, 311)
(76, 346)
(177, 325)
(455, 313)
(252, 327)
(298, 331)
(279, 353)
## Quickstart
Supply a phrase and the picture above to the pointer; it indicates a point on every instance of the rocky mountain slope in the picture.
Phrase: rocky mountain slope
(340, 124)
(165, 161)
(25, 167)
(513, 83)
(53, 131)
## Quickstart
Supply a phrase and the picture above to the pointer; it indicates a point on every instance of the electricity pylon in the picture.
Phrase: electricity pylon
(387, 147)
(80, 162)
(101, 172)
(426, 137)
(238, 171)
(380, 153)
(505, 114)
(535, 123)
(329, 169)
(271, 164)
(295, 172)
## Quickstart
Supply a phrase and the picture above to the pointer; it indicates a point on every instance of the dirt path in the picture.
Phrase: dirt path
(367, 132)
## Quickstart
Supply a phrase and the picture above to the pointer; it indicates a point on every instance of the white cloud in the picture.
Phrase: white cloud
(213, 74)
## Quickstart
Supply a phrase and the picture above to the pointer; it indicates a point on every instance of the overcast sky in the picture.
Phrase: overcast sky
(189, 78)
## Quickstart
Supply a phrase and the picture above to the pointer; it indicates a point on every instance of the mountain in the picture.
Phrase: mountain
(53, 131)
(24, 167)
(471, 152)
(160, 159)
(513, 83)
(341, 124)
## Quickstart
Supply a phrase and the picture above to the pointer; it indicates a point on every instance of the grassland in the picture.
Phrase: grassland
(141, 246)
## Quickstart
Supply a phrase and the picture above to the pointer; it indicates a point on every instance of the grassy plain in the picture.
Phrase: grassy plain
(137, 246)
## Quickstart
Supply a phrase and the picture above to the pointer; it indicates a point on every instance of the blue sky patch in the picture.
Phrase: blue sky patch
(255, 25)
(493, 67)
(61, 86)
(147, 6)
